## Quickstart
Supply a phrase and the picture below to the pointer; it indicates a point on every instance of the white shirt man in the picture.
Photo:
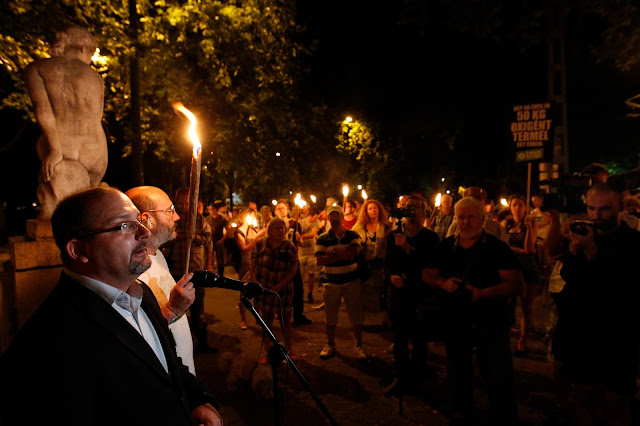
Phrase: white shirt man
(157, 210)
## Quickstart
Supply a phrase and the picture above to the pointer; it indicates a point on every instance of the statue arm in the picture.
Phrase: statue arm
(51, 150)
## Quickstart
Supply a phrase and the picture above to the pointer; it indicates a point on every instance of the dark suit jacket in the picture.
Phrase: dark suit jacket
(78, 362)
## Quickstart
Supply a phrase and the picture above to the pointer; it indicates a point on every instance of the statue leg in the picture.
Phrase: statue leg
(69, 177)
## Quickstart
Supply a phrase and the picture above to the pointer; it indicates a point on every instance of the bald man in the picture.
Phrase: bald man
(160, 217)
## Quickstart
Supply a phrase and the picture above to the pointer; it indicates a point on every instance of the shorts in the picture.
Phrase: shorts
(332, 296)
(308, 264)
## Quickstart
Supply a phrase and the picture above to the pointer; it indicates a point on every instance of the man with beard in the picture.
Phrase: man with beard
(98, 351)
(159, 216)
(596, 337)
(476, 274)
(201, 257)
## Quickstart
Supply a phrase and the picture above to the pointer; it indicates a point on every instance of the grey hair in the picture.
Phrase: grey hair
(469, 202)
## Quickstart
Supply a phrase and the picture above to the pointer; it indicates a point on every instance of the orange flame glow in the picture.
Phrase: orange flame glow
(178, 107)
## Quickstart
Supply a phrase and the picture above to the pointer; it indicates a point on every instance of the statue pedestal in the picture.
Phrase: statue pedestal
(36, 271)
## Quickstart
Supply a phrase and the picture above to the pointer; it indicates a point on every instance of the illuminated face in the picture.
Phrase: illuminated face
(416, 206)
(335, 219)
(182, 203)
(603, 209)
(348, 208)
(277, 231)
(373, 211)
(536, 201)
(116, 256)
(518, 208)
(163, 224)
(446, 203)
(281, 210)
(469, 222)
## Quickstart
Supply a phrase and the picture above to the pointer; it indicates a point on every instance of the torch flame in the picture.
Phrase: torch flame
(438, 198)
(313, 198)
(178, 107)
(345, 190)
(364, 195)
(504, 202)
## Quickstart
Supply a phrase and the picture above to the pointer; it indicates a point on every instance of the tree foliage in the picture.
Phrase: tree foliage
(235, 64)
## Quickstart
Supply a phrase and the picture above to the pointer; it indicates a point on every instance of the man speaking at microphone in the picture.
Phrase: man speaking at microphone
(159, 216)
(98, 350)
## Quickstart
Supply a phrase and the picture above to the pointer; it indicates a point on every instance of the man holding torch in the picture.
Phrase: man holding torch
(160, 217)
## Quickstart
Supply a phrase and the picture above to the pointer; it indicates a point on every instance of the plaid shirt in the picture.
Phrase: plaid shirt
(441, 223)
(175, 251)
(272, 265)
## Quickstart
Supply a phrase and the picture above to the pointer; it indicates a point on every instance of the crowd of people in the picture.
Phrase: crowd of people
(455, 274)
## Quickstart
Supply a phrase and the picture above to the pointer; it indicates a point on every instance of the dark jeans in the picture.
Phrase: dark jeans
(298, 296)
(407, 325)
(493, 354)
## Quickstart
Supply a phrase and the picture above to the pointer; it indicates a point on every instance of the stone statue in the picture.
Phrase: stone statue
(68, 100)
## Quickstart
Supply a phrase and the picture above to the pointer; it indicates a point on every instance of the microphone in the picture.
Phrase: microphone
(208, 279)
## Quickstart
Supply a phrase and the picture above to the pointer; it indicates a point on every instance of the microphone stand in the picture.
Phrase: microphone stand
(277, 353)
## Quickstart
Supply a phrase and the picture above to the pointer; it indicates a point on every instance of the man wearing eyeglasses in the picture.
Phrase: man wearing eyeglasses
(98, 351)
(159, 216)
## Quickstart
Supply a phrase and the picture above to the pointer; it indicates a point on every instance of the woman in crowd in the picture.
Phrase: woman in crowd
(246, 237)
(274, 263)
(373, 227)
(522, 232)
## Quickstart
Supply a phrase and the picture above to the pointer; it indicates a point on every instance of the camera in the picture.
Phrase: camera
(398, 213)
(581, 227)
(566, 194)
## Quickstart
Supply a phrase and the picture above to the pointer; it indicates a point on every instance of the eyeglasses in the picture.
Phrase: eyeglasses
(128, 227)
(171, 210)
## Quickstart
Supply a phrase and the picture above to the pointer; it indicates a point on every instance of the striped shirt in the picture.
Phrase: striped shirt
(343, 271)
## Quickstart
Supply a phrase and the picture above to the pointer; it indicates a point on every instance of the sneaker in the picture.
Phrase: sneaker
(327, 352)
(360, 353)
(243, 325)
(319, 307)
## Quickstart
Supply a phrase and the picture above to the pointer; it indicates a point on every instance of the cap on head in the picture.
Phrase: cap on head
(332, 209)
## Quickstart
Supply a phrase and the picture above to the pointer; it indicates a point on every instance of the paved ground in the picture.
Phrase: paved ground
(351, 390)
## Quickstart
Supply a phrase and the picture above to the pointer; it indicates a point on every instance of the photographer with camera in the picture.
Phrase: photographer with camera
(408, 250)
(476, 274)
(596, 337)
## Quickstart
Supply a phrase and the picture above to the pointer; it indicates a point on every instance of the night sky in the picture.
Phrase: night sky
(414, 75)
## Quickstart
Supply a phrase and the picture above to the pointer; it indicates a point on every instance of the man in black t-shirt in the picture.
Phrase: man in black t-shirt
(476, 274)
(407, 252)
